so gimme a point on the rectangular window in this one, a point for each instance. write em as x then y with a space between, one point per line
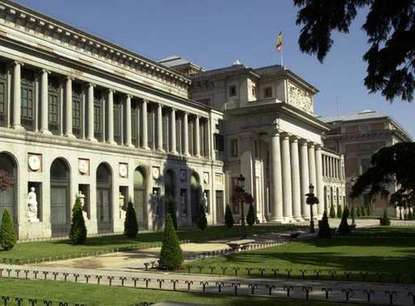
98 123
219 142
54 106
268 92
253 90
232 91
234 147
118 122
77 112
3 95
27 100
135 123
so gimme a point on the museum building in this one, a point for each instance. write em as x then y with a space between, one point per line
82 117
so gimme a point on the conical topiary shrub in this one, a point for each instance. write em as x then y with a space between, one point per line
250 217
171 209
385 221
201 220
353 214
324 230
171 255
332 211
77 233
339 211
344 227
7 232
229 221
130 223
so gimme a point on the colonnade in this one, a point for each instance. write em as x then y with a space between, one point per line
295 164
333 166
193 143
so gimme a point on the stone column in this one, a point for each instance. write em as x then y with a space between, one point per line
286 177
17 68
319 180
110 99
44 89
186 134
305 177
276 179
312 169
91 135
159 127
128 142
197 130
173 131
295 175
68 100
145 126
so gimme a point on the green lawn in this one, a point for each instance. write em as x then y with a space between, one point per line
121 296
47 250
376 250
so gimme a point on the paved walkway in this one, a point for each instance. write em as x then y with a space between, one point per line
211 284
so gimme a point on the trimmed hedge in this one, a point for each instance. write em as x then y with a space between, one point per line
7 232
78 231
171 254
130 223
229 221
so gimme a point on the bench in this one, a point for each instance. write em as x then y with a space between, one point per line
238 245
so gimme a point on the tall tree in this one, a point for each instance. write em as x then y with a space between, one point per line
390 27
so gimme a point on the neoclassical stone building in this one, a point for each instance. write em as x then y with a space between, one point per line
271 135
82 116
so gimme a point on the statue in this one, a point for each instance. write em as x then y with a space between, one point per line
83 205
205 201
32 206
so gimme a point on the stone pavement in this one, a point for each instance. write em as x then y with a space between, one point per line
380 293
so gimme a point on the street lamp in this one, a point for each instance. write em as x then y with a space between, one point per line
311 200
241 185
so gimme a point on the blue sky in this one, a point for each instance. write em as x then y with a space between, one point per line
214 33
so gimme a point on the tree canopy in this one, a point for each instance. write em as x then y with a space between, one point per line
392 164
390 27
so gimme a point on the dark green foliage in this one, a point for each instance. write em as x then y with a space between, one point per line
344 227
389 26
201 220
332 211
324 230
410 215
353 214
7 232
77 233
171 255
385 221
250 217
368 211
130 223
171 209
229 221
339 211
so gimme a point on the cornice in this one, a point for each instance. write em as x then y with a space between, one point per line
34 23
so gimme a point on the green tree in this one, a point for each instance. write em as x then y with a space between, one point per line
7 232
130 223
390 27
332 211
201 220
339 211
250 217
385 221
324 230
353 214
344 227
78 231
229 221
170 205
171 254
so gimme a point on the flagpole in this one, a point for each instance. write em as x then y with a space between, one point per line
282 57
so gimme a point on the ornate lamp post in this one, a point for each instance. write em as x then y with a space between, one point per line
241 185
311 200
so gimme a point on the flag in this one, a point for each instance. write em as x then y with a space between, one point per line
279 42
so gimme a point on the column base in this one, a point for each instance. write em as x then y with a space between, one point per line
112 142
129 145
146 148
93 139
46 132
18 127
71 136
277 220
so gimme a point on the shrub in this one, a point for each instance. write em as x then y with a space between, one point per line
410 215
171 255
339 211
130 223
170 205
229 221
385 221
77 233
324 230
332 211
344 227
363 211
250 217
201 220
353 214
7 232
368 211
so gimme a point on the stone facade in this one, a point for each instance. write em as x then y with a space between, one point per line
357 137
82 116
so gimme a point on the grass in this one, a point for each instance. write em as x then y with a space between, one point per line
386 250
121 296
28 252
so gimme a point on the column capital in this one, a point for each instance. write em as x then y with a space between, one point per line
285 135
311 144
44 70
294 138
110 91
129 96
90 84
70 77
16 62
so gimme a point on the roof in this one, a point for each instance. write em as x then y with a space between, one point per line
363 115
